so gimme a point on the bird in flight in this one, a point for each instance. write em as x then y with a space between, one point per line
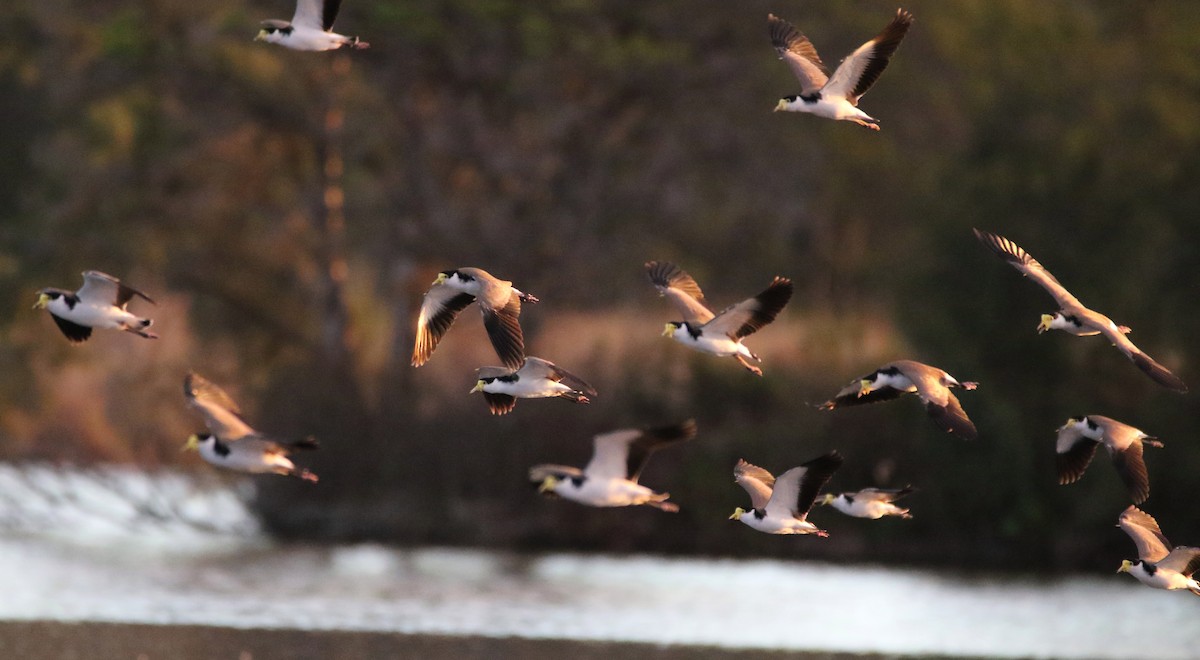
100 303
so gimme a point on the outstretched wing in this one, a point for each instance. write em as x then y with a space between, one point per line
316 14
1024 262
1143 529
757 482
747 317
221 415
797 489
679 287
438 311
654 439
1147 364
102 289
799 53
1074 452
855 75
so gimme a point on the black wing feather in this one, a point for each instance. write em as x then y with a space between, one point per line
816 473
1132 470
886 43
770 303
1073 462
500 404
951 418
504 330
654 439
75 333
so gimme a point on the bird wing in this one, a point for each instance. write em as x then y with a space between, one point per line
610 454
500 404
316 14
1147 364
1024 262
1132 469
796 490
493 372
504 328
1183 560
683 292
1152 546
1073 453
651 441
855 75
941 404
882 494
848 395
221 415
748 316
799 53
101 289
538 368
757 481
439 308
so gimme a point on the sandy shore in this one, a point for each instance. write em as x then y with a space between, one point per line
52 640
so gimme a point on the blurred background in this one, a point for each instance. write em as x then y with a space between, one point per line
288 210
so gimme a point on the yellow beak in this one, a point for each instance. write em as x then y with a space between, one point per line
42 301
548 485
193 442
478 387
737 513
864 387
1045 324
261 36
668 330
827 499
780 106
440 278
1125 566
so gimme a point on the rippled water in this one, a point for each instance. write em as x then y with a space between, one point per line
765 604
105 561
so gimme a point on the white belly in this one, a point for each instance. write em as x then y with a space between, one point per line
248 462
528 388
94 316
605 492
772 525
721 345
303 38
873 509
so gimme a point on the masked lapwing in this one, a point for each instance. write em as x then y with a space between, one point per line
873 503
610 479
100 303
1158 564
931 384
718 334
781 506
311 28
499 301
1072 316
536 379
1078 439
232 443
835 97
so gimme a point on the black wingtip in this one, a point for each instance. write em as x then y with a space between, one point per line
1158 373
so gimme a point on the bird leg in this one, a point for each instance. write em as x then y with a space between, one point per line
753 369
304 474
860 122
969 384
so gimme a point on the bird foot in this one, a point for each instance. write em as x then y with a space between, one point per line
1124 329
582 399
828 405
529 299
359 44
306 475
969 385
822 533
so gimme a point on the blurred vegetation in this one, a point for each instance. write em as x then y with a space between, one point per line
561 145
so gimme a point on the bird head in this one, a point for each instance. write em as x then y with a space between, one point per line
1047 322
44 299
548 484
864 386
480 384
670 328
1125 566
262 35
737 513
1072 421
193 441
442 277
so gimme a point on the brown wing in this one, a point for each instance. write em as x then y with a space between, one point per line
1143 529
848 395
539 368
1154 370
504 330
438 311
500 404
1132 470
756 481
799 53
1024 262
679 287
654 439
1073 453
